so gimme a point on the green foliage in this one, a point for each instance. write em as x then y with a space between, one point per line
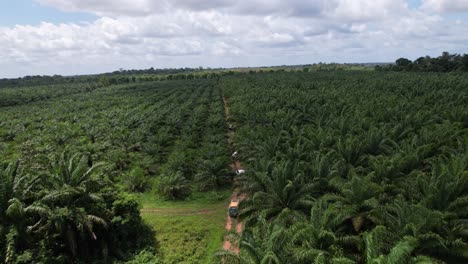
281 194
342 167
126 222
104 81
69 216
136 180
188 232
174 186
445 63
81 145
145 257
351 167
21 96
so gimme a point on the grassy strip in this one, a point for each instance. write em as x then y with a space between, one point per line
198 200
190 238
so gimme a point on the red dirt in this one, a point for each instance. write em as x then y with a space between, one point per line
229 224
239 227
227 245
233 196
236 165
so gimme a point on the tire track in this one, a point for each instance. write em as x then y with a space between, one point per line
229 245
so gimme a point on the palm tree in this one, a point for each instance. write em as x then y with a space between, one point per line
213 173
447 185
174 186
278 191
8 188
323 168
401 252
73 171
321 238
438 234
136 180
352 153
263 244
377 142
358 196
70 207
10 208
14 189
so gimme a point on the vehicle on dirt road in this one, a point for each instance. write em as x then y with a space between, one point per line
239 172
234 208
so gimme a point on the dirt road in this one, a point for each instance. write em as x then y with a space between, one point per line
229 245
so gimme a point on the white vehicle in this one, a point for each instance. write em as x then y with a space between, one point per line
239 172
234 154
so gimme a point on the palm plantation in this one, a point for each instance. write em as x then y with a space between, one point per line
364 174
341 167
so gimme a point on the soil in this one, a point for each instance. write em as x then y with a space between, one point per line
236 165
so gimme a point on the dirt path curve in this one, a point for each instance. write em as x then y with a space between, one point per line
229 245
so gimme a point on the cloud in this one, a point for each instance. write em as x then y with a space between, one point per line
200 5
346 9
366 10
149 7
445 6
109 7
190 33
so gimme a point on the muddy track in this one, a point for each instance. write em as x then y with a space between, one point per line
228 244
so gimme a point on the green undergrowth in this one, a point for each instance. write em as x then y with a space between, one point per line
191 233
196 200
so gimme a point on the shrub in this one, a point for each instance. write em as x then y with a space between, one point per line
174 186
136 180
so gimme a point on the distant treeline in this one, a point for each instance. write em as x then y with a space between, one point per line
123 76
157 71
44 80
120 76
445 63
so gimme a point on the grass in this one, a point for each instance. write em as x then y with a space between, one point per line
196 200
188 231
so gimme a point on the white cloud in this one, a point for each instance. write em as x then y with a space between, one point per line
445 6
180 33
349 9
149 7
109 7
365 10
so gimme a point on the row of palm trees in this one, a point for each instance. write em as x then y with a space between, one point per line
198 160
352 167
154 128
13 96
64 214
167 138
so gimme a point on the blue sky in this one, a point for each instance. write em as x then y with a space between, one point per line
21 12
90 36
414 3
31 12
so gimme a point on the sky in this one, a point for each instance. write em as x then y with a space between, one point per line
68 37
